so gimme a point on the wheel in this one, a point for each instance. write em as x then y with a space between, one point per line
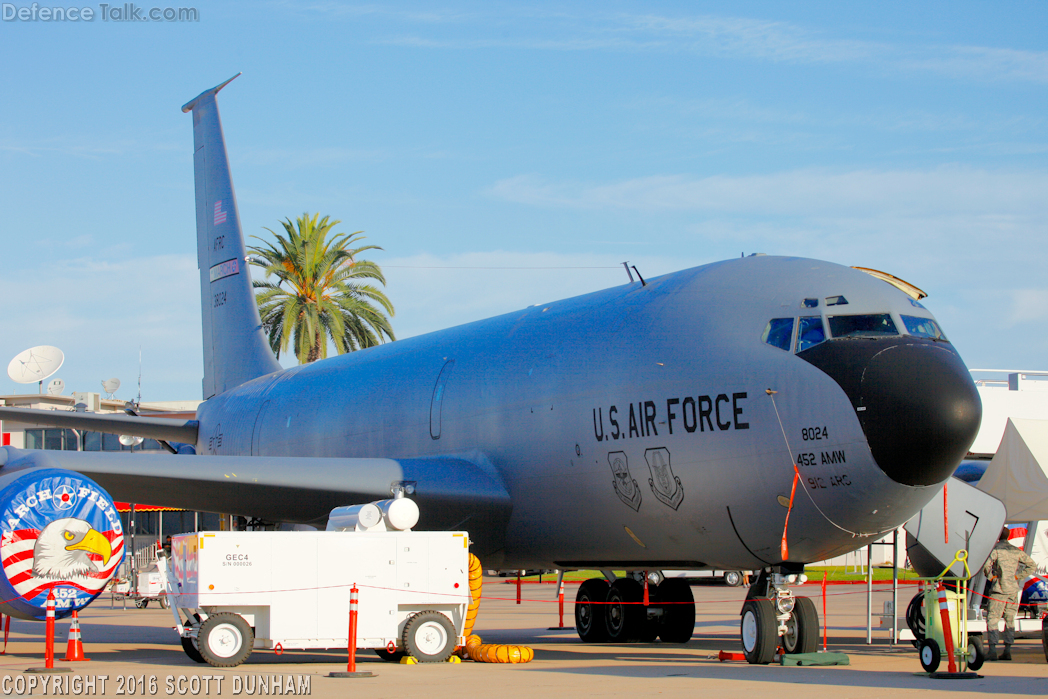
141 603
590 610
429 637
626 616
930 655
163 602
758 629
915 618
189 645
802 629
390 656
976 654
225 639
733 578
1044 637
678 611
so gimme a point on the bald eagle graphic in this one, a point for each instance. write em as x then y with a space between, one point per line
62 548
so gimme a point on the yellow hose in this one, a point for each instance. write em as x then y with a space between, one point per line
475 649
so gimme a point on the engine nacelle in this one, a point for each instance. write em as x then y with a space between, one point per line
60 532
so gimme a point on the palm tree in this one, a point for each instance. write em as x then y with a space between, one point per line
321 290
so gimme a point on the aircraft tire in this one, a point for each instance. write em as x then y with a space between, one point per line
802 630
225 639
625 615
930 655
678 611
1044 637
429 637
758 629
590 610
733 578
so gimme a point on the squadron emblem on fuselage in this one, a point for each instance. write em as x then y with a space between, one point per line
625 485
664 484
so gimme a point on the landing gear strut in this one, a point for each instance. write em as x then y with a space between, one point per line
772 617
615 613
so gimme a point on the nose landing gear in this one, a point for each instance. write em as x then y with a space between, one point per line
772 617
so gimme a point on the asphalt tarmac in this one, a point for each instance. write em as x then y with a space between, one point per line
138 653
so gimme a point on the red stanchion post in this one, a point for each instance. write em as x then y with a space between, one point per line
825 625
944 612
518 587
351 667
647 600
49 635
7 631
560 602
353 592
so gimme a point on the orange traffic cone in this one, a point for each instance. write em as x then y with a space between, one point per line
75 647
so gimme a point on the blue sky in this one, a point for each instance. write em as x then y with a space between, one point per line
559 137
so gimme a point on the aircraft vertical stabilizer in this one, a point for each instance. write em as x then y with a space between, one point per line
235 347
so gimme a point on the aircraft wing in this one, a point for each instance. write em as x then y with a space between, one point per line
452 492
184 431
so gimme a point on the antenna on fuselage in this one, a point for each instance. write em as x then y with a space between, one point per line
642 282
626 264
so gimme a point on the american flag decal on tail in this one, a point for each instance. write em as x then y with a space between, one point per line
220 215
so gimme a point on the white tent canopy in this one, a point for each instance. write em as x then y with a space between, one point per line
1018 473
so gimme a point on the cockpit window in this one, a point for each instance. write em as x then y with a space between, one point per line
810 332
923 327
836 301
873 325
810 303
778 333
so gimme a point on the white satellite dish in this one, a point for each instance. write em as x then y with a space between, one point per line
129 441
35 364
56 387
111 386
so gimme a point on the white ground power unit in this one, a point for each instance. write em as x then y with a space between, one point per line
232 592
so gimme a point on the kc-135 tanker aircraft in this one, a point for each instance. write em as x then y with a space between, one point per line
757 413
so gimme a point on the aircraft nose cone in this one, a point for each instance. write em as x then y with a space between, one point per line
914 398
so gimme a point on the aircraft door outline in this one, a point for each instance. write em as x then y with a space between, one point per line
437 402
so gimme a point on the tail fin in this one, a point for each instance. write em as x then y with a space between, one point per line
235 347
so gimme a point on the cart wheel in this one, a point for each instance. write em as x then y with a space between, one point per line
976 654
141 603
733 578
189 645
390 656
429 637
929 651
163 602
225 639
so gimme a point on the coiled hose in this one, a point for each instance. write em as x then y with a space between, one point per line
475 649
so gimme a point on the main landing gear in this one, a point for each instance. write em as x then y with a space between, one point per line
773 617
614 612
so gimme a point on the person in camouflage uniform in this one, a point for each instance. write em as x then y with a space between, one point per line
1003 568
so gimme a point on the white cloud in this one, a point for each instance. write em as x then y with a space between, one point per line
801 192
433 292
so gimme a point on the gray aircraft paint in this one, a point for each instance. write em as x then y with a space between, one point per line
507 426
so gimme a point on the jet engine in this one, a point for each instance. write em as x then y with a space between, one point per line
59 533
